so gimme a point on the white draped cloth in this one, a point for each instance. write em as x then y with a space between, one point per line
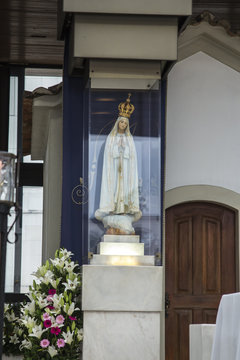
226 344
119 198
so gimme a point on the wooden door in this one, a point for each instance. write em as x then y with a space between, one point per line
200 267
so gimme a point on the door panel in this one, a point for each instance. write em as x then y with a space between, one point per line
200 267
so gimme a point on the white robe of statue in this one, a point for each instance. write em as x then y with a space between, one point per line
119 198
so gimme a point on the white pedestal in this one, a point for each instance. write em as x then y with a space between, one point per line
201 341
122 312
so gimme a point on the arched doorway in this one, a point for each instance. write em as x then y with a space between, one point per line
200 267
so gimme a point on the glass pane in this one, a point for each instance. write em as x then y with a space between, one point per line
13 115
124 169
31 234
33 82
10 257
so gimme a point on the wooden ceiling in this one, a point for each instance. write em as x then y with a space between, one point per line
28 29
28 33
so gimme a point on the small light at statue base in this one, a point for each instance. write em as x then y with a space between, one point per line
121 253
122 260
114 248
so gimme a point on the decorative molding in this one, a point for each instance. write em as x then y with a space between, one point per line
208 193
212 37
214 21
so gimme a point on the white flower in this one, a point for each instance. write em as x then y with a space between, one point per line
28 321
79 334
37 331
30 307
58 262
70 266
6 307
18 330
66 254
11 317
30 295
68 337
54 283
47 278
25 344
57 301
71 309
42 303
71 285
41 271
52 351
14 339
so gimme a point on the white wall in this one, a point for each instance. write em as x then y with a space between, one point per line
203 124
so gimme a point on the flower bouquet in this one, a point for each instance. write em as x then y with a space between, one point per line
13 333
52 320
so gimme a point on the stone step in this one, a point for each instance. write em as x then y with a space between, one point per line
123 260
112 248
121 238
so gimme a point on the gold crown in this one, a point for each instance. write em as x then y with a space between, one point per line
126 108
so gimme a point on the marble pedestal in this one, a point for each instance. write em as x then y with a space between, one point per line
122 312
122 304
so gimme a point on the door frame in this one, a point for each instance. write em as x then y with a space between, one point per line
210 194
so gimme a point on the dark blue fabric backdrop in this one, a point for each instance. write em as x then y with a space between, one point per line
73 92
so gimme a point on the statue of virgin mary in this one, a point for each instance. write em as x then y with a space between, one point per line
119 198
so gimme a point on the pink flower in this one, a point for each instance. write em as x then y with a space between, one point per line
55 330
73 318
44 343
60 319
47 323
49 298
60 343
51 291
50 307
46 316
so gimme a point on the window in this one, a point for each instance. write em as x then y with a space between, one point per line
30 198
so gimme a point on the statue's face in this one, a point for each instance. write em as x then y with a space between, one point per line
122 125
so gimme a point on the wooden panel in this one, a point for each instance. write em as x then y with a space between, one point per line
184 319
183 264
178 340
200 267
211 256
228 253
209 316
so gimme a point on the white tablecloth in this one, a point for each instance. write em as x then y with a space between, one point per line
226 343
201 341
